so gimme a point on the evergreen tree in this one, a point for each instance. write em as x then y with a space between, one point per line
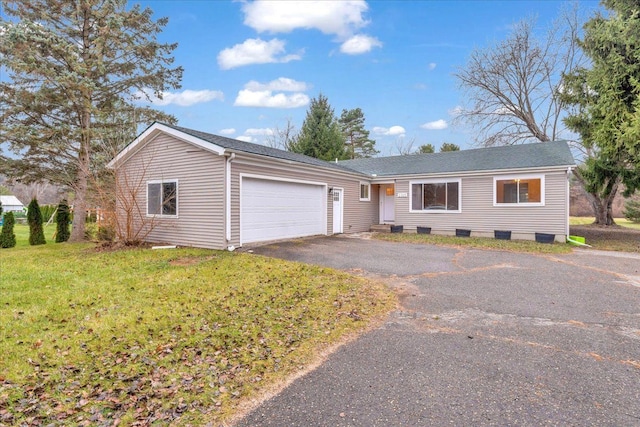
448 146
632 210
320 136
357 142
63 218
606 99
68 64
34 218
7 237
426 149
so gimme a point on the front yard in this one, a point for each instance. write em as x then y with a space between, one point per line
181 336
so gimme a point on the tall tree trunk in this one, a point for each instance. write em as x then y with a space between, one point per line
81 185
602 206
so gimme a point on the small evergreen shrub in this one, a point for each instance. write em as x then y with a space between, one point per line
7 236
34 218
632 210
63 219
91 231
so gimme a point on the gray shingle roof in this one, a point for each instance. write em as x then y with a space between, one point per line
263 150
481 159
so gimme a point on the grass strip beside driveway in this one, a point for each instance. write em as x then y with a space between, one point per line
162 336
476 242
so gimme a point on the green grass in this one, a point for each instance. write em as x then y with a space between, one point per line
476 242
586 220
161 336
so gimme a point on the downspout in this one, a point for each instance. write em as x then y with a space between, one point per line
227 203
568 198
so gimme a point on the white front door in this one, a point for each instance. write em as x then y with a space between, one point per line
387 203
337 210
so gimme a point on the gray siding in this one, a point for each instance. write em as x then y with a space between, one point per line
479 215
200 176
357 215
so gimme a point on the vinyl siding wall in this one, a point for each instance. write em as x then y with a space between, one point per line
357 215
480 215
200 175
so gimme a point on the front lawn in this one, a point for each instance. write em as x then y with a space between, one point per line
143 336
476 242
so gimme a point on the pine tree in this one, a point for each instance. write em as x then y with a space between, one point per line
426 149
68 64
632 210
34 218
320 136
63 218
606 101
7 237
357 142
449 146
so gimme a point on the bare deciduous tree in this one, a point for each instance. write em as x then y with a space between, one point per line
513 87
282 138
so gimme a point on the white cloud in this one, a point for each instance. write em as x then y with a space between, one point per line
228 131
341 18
183 99
256 94
256 132
392 131
254 51
420 86
358 44
266 98
245 138
432 66
435 125
280 84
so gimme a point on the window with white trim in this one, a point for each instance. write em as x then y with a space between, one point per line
365 191
435 196
518 190
162 198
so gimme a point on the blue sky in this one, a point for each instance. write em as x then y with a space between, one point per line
250 66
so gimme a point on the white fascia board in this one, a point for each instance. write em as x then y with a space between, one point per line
153 131
540 169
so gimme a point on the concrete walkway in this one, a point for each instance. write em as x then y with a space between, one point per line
482 338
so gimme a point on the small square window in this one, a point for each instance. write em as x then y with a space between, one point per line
162 198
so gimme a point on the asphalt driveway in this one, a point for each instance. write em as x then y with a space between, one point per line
481 338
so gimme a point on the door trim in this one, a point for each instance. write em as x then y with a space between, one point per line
338 190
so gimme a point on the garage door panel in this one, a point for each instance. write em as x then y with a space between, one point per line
274 210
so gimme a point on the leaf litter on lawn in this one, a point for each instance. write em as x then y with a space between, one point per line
142 337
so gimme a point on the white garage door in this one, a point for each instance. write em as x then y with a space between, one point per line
272 210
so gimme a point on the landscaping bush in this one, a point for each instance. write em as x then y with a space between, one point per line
106 233
34 218
91 231
632 210
7 236
63 219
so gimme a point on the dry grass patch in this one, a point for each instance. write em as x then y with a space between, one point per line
169 337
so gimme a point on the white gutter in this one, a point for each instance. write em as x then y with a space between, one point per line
227 203
568 198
